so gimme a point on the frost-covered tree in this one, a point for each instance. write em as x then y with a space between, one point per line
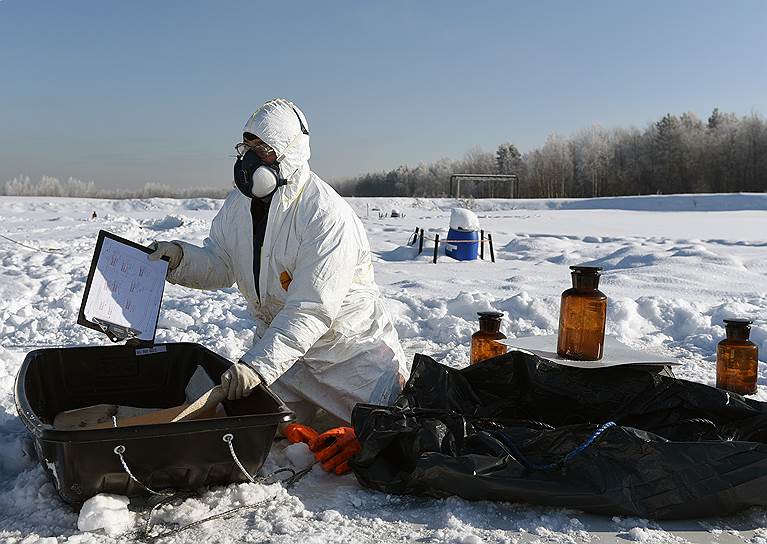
51 186
507 159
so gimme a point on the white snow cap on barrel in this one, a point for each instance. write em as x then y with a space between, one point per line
463 219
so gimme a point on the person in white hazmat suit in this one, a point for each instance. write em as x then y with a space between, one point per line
299 254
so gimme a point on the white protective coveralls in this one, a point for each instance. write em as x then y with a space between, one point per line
319 307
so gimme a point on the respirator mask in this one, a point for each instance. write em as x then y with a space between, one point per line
255 179
252 177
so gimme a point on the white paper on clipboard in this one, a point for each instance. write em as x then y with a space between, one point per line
126 289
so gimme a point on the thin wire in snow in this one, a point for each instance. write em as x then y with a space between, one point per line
148 525
54 251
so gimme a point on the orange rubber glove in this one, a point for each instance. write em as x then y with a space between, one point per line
334 448
295 432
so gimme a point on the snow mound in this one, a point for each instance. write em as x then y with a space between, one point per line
108 512
201 204
401 253
463 219
175 319
166 223
299 455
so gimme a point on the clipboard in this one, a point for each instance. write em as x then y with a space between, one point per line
123 291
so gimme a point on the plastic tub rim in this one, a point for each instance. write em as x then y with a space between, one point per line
47 432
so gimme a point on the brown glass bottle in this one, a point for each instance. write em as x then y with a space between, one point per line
484 343
582 316
737 359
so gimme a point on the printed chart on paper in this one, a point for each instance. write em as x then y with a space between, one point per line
127 288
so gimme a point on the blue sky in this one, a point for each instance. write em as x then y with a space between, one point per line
124 93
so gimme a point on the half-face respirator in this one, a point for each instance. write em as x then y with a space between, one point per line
255 179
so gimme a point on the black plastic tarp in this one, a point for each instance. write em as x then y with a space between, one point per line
618 441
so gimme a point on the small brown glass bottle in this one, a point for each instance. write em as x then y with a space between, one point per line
582 316
737 359
484 343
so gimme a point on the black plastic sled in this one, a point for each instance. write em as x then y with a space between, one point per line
181 455
626 441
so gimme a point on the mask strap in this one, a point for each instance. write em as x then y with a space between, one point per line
304 130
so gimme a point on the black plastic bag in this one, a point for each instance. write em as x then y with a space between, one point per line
617 441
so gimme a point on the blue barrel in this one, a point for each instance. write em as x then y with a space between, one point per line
462 251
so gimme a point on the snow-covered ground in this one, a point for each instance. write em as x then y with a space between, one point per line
674 267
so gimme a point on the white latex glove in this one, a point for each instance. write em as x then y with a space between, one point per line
167 249
239 381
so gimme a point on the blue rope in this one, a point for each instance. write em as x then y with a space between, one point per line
506 439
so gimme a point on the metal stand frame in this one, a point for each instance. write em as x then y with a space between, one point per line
455 182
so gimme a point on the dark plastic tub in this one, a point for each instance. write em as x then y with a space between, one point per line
183 455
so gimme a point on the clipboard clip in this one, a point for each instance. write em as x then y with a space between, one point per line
115 332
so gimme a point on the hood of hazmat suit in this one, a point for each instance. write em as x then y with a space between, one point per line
323 334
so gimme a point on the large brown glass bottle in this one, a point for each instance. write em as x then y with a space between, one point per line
737 358
484 343
582 316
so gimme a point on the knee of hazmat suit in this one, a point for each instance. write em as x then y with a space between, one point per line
323 334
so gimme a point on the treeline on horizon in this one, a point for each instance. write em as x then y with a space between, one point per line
51 186
677 154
